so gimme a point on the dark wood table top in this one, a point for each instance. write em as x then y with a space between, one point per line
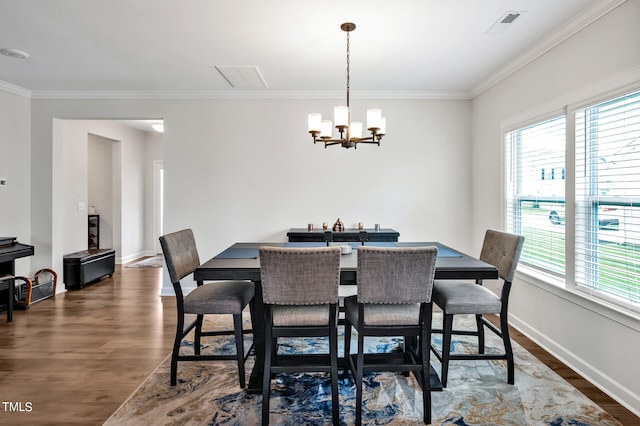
240 262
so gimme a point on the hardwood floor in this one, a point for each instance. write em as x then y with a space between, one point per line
76 357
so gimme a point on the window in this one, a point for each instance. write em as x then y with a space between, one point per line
602 187
536 192
608 198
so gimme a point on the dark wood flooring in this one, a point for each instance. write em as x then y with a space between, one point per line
75 358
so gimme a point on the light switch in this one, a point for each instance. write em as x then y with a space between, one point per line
3 181
82 206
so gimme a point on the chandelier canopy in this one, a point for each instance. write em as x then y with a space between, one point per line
350 132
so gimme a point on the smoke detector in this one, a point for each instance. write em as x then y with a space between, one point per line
14 53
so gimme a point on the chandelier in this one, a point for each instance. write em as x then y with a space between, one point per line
350 132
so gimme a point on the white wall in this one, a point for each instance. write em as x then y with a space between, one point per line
154 152
15 157
100 184
246 170
599 343
133 167
73 170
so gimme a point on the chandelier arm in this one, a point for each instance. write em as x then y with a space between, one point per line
325 140
332 142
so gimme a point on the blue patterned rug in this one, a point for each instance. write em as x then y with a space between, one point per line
477 394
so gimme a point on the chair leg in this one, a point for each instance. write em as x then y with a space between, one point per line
480 327
406 342
237 328
359 375
176 349
426 380
425 359
333 349
508 349
266 378
446 347
347 347
197 338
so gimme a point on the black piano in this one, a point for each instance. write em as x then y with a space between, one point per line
10 250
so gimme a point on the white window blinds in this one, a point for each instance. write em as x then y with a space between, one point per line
607 246
535 192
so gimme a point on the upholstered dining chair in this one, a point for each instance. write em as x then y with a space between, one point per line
223 297
394 299
300 294
502 250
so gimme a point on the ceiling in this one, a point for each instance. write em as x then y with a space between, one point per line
419 48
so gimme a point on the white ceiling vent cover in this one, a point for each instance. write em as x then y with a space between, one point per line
504 22
243 77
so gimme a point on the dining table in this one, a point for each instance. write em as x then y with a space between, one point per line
240 261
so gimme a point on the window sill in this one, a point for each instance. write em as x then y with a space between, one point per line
558 287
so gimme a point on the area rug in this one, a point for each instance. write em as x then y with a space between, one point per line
208 393
150 262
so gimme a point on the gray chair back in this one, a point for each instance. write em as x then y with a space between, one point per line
180 254
300 276
502 250
381 270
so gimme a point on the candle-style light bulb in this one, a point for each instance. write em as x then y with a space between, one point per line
341 116
356 129
313 120
326 129
374 118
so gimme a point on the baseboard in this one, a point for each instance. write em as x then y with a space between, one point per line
135 256
621 394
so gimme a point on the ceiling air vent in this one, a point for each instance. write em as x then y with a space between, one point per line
243 77
504 22
509 18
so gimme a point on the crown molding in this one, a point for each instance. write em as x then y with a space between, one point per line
13 89
247 94
591 14
231 94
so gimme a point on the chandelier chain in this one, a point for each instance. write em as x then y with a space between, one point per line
348 67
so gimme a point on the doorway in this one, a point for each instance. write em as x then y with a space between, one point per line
129 216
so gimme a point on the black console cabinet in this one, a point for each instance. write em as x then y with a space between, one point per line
352 234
